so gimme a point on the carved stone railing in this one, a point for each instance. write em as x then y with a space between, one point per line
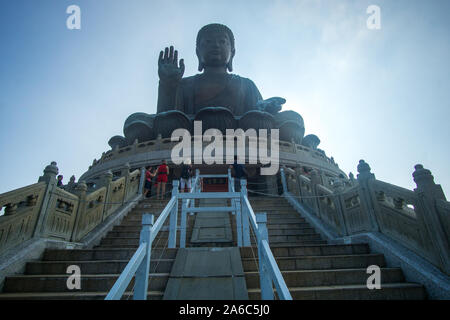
91 212
60 215
153 151
356 220
419 220
43 210
399 215
21 211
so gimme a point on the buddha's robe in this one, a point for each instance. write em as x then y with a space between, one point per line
238 94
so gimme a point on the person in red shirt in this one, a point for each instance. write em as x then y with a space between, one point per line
148 181
162 173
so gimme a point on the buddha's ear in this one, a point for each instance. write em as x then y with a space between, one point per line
200 64
230 63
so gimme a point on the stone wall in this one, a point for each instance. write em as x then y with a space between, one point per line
43 210
419 220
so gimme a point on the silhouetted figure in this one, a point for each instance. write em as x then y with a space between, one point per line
59 183
239 173
185 176
148 181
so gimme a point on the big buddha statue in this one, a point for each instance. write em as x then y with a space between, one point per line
215 96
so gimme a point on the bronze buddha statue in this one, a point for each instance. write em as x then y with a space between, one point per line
215 86
214 96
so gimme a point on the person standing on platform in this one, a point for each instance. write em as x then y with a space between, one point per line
162 173
148 181
239 173
59 183
186 174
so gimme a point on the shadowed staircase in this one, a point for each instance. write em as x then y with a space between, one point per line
311 268
100 266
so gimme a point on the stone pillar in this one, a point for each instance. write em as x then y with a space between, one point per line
298 172
428 192
352 178
80 192
49 178
105 181
71 185
141 181
364 176
159 141
125 172
283 180
135 144
315 180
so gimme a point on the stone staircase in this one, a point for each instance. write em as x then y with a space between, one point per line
100 266
314 269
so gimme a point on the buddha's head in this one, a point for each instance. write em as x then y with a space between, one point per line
215 47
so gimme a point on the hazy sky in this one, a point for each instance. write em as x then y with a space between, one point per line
379 95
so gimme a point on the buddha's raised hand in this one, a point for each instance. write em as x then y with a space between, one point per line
168 69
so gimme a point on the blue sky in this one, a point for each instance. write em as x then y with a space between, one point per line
379 95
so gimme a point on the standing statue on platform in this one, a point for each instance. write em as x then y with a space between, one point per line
219 99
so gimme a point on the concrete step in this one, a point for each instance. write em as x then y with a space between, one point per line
160 241
121 228
89 283
290 231
285 215
75 295
272 207
138 219
309 250
350 261
93 267
134 234
152 208
292 238
331 277
293 225
103 254
285 220
388 291
302 242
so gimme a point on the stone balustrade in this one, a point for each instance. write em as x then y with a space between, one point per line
153 151
43 210
419 220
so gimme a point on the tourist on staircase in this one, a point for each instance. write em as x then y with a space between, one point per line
162 173
239 173
185 176
148 181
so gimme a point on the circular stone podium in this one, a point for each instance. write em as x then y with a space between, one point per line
150 153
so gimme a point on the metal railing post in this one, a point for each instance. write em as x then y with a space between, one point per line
141 279
231 189
283 180
141 181
174 217
264 276
237 206
183 223
244 215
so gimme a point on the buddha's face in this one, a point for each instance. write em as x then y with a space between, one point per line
214 49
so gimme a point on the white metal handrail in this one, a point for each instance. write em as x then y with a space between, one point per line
269 271
139 264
